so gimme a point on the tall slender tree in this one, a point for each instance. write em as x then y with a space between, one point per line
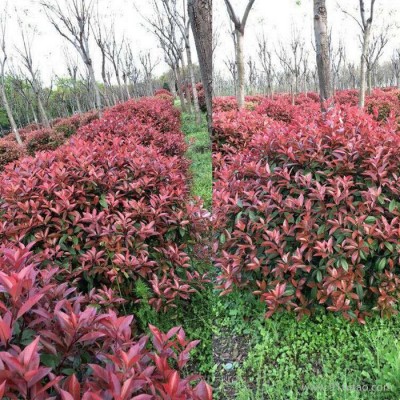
72 21
3 60
239 27
200 16
322 51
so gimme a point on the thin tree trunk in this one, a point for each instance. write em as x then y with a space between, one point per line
186 88
193 82
363 68
10 116
181 96
42 111
93 83
240 68
369 80
322 51
200 15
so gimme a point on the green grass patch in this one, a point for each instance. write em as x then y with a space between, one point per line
200 153
323 358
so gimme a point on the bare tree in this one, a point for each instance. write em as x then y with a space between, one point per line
200 16
165 30
322 51
183 23
33 79
239 27
72 21
101 35
365 25
292 61
374 53
128 68
252 74
3 60
395 62
265 58
113 52
338 59
72 68
232 68
148 64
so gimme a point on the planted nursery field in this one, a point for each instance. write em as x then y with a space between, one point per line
82 227
306 220
199 199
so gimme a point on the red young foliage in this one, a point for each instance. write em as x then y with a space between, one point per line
107 209
55 345
308 215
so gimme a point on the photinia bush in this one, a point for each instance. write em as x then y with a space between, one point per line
112 206
308 215
54 344
107 212
278 109
43 139
233 130
383 103
10 151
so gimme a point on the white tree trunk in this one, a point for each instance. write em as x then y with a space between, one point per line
193 82
10 115
363 68
93 83
42 111
322 50
240 68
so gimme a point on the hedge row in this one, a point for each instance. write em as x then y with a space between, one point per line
80 226
307 213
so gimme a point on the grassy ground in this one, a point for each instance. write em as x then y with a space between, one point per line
247 357
321 358
200 154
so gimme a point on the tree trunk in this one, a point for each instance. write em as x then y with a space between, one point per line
193 83
93 83
369 82
200 15
10 115
185 87
322 50
363 68
42 111
240 68
178 81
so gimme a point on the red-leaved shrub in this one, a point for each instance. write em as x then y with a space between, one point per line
107 212
308 215
55 344
10 151
233 130
43 139
278 108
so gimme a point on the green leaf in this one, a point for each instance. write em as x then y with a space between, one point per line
389 246
321 229
392 205
50 360
103 201
222 238
370 220
360 291
238 216
382 264
344 264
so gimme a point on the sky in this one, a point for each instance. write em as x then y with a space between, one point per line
273 17
276 17
48 46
